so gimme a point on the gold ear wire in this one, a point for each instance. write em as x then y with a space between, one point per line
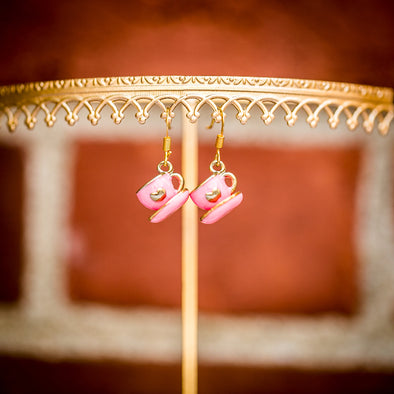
167 138
210 126
220 137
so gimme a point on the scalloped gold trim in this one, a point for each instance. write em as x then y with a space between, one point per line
368 103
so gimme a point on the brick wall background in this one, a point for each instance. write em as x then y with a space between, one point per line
295 285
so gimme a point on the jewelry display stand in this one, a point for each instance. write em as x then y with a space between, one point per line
297 100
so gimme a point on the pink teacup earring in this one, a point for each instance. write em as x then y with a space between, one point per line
159 193
217 193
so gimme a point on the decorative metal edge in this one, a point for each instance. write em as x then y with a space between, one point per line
368 112
13 93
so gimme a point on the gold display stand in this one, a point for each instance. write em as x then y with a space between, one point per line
358 105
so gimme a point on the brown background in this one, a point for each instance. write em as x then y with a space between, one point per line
336 40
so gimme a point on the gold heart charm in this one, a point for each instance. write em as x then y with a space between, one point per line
213 196
158 195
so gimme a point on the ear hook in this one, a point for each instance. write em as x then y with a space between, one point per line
167 138
219 138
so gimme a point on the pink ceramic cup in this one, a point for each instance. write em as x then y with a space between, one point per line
213 190
159 190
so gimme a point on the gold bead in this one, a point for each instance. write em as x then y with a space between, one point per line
166 144
219 141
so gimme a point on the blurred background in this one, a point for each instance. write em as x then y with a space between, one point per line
295 285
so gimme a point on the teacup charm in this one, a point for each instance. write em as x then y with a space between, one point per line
161 195
215 195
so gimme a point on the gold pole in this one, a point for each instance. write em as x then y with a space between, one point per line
189 260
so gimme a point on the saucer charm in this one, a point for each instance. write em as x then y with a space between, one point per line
215 196
160 195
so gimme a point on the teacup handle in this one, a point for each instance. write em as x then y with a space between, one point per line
181 181
234 179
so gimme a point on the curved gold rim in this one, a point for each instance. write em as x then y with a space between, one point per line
369 106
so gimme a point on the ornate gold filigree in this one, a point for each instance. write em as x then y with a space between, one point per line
367 105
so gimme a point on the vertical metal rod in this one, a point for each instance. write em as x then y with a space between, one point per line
189 260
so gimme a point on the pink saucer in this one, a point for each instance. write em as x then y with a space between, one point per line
170 206
222 209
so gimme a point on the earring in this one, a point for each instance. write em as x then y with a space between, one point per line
160 193
215 195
